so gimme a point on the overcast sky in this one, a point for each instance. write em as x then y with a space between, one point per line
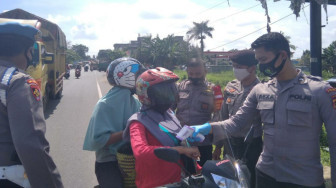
99 24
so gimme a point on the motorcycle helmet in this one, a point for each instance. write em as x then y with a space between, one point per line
157 87
123 72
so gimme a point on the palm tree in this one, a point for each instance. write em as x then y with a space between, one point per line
200 31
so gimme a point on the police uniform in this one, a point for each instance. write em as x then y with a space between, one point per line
22 132
292 114
195 107
234 96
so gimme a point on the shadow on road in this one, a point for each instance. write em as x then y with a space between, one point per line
51 106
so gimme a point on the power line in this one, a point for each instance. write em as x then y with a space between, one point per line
235 13
228 15
212 7
253 31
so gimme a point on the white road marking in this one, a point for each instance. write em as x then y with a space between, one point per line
98 88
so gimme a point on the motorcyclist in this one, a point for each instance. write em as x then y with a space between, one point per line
156 126
108 120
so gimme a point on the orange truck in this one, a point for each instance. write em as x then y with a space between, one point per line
49 68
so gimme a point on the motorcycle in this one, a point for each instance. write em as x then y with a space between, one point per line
77 73
86 68
67 74
226 173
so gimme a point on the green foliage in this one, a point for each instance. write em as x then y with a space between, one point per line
325 157
71 56
108 55
167 52
329 58
323 138
221 78
305 58
81 50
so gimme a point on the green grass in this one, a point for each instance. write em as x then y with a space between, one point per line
221 78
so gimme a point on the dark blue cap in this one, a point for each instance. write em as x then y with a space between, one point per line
19 29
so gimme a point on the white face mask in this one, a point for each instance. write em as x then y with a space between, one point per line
240 74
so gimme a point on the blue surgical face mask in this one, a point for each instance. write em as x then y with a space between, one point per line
269 69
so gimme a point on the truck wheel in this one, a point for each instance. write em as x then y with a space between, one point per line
59 94
45 99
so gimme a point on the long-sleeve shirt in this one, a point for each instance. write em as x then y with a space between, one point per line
150 170
22 130
109 116
292 115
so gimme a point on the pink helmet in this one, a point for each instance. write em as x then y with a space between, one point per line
152 77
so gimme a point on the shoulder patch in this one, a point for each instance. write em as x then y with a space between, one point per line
35 89
331 89
333 101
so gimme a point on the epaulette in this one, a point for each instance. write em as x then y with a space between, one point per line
315 78
5 81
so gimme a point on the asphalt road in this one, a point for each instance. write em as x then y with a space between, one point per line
67 121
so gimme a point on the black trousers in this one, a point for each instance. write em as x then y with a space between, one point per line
206 154
8 184
108 175
265 181
252 154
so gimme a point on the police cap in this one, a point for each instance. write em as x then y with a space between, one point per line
19 29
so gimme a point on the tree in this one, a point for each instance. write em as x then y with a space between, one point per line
199 32
329 58
305 59
71 56
108 55
167 52
81 50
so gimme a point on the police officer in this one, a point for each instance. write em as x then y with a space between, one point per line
235 93
196 103
293 107
24 150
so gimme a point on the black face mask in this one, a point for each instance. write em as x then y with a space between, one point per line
196 81
29 61
269 69
163 96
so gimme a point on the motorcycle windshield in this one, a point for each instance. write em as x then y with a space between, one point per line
226 173
223 182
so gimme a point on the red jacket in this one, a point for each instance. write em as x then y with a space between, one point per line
150 170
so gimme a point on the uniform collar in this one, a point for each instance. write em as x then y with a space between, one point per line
299 79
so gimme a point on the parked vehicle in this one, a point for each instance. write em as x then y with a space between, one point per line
102 66
49 53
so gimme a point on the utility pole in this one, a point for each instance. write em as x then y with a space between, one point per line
316 37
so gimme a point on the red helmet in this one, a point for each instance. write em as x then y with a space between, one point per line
152 77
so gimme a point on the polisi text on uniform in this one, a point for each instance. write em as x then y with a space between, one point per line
300 97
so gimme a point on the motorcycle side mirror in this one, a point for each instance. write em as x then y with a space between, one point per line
167 154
